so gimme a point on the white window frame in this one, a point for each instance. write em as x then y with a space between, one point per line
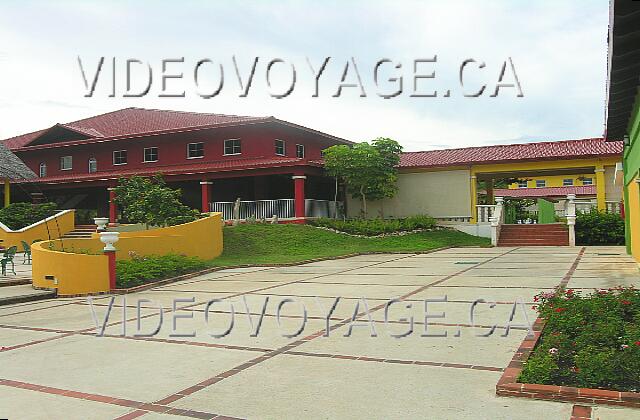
195 157
224 147
126 157
301 146
519 183
590 181
89 165
62 158
543 181
41 173
284 147
570 184
144 154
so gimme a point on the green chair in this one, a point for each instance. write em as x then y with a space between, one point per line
26 248
8 258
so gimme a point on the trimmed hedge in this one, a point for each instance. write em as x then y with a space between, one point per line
599 228
141 270
373 227
18 215
588 341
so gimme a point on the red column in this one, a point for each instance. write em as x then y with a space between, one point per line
298 181
113 212
205 186
112 268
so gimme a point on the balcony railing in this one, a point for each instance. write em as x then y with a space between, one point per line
282 208
485 212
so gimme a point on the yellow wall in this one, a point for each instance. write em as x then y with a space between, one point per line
73 274
633 209
53 228
556 180
82 269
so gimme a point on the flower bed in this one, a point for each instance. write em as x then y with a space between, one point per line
590 341
148 269
376 227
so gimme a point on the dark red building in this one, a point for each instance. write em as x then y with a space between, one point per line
273 166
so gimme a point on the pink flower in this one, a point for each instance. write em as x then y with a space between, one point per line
626 302
624 346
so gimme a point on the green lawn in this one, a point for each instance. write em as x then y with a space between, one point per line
269 244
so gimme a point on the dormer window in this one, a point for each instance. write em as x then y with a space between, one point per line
151 154
195 150
66 163
232 147
93 165
300 151
43 170
279 147
120 157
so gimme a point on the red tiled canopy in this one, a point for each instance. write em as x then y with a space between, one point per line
545 191
551 150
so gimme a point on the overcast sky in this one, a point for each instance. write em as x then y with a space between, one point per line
558 49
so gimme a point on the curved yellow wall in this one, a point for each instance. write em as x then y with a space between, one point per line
201 238
82 269
51 228
633 209
70 273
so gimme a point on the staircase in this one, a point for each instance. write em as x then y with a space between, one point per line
80 232
552 234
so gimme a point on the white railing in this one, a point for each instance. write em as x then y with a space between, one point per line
485 212
281 208
497 219
614 207
570 212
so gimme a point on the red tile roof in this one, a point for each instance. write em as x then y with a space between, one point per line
132 121
551 150
182 169
545 191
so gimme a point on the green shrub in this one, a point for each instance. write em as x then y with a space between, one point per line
141 270
85 216
588 341
599 228
372 227
18 215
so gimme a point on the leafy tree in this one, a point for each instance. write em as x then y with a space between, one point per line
18 215
151 202
369 171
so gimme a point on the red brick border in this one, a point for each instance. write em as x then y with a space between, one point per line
508 386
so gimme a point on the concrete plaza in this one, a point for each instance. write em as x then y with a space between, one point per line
52 365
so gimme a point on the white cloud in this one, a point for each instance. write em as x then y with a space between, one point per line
558 47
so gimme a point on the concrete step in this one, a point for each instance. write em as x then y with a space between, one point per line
23 293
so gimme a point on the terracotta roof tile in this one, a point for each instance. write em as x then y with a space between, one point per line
513 152
545 191
135 121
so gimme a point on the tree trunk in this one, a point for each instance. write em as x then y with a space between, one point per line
364 202
335 201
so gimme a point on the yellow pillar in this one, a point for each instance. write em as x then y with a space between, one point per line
7 193
474 198
600 187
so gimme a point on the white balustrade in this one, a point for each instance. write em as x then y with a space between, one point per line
570 211
485 212
496 220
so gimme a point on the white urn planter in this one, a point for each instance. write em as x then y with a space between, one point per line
108 239
101 222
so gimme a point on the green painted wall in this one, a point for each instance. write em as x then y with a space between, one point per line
631 162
